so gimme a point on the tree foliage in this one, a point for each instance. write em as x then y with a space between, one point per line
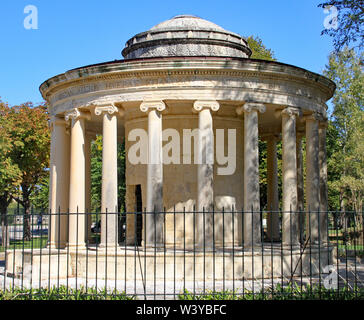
259 50
24 153
349 23
10 174
346 131
96 174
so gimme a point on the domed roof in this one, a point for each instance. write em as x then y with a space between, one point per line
186 35
187 21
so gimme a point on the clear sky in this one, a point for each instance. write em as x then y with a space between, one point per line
74 33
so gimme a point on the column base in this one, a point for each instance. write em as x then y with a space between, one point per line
56 245
293 246
76 247
151 246
255 246
108 246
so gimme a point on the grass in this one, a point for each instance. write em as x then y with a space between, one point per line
35 243
62 293
292 292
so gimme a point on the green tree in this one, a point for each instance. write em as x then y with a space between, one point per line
259 50
30 139
9 171
96 174
346 131
350 20
40 196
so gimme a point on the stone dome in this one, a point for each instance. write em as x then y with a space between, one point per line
186 36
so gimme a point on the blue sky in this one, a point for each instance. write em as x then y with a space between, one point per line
75 33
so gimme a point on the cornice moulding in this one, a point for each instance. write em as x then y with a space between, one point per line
240 69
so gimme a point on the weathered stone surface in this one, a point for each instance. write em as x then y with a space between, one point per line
186 36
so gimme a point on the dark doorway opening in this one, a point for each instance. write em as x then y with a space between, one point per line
139 216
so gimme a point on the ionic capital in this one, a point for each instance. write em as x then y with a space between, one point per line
249 107
148 105
57 121
323 122
291 112
314 116
206 104
110 109
76 114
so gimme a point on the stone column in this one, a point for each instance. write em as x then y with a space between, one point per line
205 172
59 182
77 217
252 223
154 217
290 218
312 177
272 189
109 190
323 181
88 139
300 186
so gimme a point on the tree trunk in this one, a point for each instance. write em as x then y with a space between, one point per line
342 211
27 235
5 240
27 223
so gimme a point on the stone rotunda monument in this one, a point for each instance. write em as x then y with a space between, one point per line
185 74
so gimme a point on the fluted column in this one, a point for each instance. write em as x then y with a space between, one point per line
252 223
59 182
300 186
88 140
109 189
323 181
205 172
154 217
312 177
77 217
272 189
290 218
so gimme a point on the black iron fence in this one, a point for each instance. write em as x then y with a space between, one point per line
184 254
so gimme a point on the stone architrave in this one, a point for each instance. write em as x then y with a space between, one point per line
205 172
59 182
290 217
109 190
77 196
154 217
312 177
252 223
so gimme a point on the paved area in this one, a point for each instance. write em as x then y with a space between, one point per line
351 273
16 232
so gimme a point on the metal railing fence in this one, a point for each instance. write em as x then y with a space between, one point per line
186 254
